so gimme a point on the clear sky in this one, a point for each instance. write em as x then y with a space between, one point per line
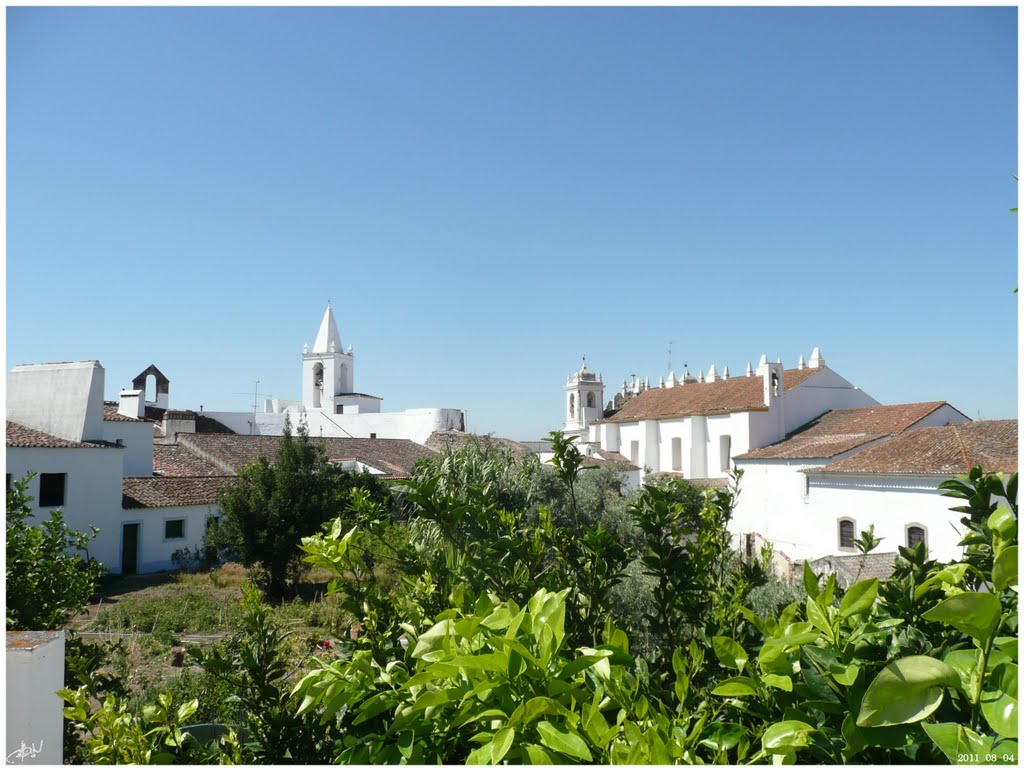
485 195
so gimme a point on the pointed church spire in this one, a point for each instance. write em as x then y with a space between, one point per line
328 338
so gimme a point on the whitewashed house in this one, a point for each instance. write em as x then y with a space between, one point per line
85 454
331 406
893 485
779 495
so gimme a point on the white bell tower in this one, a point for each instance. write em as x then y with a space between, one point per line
327 370
584 400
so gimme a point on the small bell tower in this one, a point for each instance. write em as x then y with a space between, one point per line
584 400
327 370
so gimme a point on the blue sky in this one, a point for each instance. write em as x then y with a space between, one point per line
485 195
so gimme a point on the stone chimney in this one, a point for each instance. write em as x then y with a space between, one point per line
816 358
712 374
178 422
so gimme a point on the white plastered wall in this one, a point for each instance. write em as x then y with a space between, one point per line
891 503
92 492
35 713
155 551
64 400
825 390
416 425
138 445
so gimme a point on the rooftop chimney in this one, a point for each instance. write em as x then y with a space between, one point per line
132 403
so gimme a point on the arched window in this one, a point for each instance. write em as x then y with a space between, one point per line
846 533
572 405
590 398
775 384
915 535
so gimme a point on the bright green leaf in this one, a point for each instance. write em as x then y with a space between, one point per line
956 741
859 598
736 686
564 740
501 743
782 682
810 581
730 653
974 613
817 616
906 691
999 700
787 736
1004 570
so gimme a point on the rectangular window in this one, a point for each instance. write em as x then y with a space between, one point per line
8 481
51 489
724 452
634 452
677 454
174 528
339 409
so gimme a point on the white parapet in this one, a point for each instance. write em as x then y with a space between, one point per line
35 713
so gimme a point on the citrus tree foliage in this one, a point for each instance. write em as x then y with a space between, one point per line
50 577
276 503
489 635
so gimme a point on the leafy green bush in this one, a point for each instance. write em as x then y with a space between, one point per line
48 578
273 505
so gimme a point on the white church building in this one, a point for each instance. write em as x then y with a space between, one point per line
796 434
331 406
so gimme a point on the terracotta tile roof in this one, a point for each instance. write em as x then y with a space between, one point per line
946 450
23 436
847 568
395 457
110 413
605 458
161 492
737 394
838 431
172 460
204 424
441 441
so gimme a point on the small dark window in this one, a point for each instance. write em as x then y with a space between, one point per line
174 528
915 535
846 534
590 398
373 436
8 481
339 409
51 489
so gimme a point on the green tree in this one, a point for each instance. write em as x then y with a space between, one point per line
273 505
48 580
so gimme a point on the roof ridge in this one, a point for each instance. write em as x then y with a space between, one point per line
963 447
